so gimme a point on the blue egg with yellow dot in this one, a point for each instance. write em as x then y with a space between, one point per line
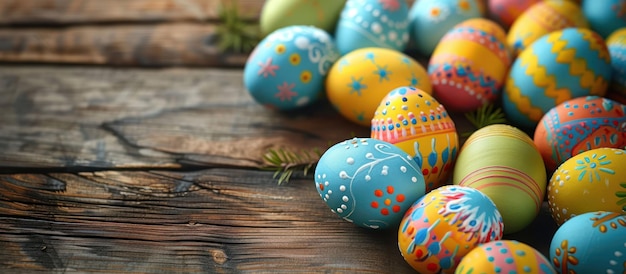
287 69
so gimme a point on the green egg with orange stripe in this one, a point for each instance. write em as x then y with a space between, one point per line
502 162
559 66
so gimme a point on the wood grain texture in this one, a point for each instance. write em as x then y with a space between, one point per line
73 117
75 12
212 221
152 45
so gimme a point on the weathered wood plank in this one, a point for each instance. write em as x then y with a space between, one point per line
167 44
218 220
51 12
73 117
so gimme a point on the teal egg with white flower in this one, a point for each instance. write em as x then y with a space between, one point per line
368 182
287 69
373 23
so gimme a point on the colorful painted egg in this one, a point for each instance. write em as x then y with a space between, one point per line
431 19
360 79
590 181
558 67
503 163
506 11
578 125
504 256
373 23
605 16
594 242
287 69
277 14
368 182
616 44
415 122
542 18
444 225
469 65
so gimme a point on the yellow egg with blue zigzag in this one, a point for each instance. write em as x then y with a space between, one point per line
359 80
559 66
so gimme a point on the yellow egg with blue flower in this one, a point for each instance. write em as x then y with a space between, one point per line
360 79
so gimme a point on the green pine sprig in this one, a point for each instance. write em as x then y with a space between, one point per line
235 34
487 114
285 162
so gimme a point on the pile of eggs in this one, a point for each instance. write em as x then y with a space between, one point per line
557 69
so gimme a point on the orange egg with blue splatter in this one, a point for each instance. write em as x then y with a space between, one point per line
446 224
417 123
287 69
506 11
560 66
578 125
469 65
360 79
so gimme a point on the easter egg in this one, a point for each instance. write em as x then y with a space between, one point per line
360 79
277 14
562 65
469 65
593 242
368 182
373 23
446 224
616 44
502 162
431 19
594 180
504 256
415 122
542 18
605 16
287 69
506 11
578 125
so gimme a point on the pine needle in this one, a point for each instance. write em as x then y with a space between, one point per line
285 163
235 33
487 114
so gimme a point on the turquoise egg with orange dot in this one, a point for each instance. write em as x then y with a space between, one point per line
287 69
504 256
368 182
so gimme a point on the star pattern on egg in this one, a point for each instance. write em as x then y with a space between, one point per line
285 91
267 68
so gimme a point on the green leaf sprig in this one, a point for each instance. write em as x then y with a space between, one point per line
285 162
235 34
487 114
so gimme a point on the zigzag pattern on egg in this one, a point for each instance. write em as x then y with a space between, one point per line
578 66
522 102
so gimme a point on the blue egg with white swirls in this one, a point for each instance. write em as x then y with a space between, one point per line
373 23
369 182
287 69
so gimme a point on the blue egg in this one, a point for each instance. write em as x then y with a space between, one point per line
594 242
373 23
605 16
431 19
369 182
557 67
287 69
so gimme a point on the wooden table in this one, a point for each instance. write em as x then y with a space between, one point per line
157 170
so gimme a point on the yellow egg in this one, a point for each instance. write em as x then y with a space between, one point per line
542 18
594 180
469 65
414 121
360 79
